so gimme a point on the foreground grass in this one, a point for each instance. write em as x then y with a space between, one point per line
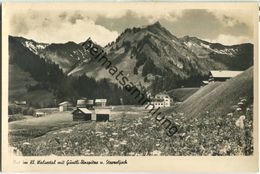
142 135
27 129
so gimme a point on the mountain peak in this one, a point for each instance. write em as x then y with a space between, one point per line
193 39
156 24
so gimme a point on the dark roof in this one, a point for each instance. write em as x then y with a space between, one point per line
157 100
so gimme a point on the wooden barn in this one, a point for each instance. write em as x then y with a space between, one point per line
20 102
101 115
39 114
81 103
204 82
100 102
65 106
82 114
90 104
222 75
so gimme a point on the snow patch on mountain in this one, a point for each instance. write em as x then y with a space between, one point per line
34 47
227 51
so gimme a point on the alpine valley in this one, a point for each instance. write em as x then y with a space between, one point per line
152 57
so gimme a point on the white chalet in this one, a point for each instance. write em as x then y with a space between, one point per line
161 100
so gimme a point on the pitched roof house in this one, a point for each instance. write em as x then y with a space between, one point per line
81 103
82 114
100 102
64 106
222 75
101 114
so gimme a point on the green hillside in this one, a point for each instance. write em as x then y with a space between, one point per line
181 94
219 97
19 81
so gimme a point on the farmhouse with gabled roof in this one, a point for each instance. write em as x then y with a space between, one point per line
222 75
81 114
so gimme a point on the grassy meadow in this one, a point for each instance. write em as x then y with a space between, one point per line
217 120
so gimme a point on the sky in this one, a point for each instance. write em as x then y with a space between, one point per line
103 25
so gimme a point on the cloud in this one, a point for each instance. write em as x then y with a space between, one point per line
63 15
104 24
239 15
138 10
231 40
59 27
76 16
136 18
201 23
229 21
194 22
128 20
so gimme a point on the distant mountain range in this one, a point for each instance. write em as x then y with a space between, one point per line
150 56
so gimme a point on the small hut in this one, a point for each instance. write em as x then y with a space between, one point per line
65 106
81 103
81 114
102 114
20 102
39 114
90 104
101 102
204 82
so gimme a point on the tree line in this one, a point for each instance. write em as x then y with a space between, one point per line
51 78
